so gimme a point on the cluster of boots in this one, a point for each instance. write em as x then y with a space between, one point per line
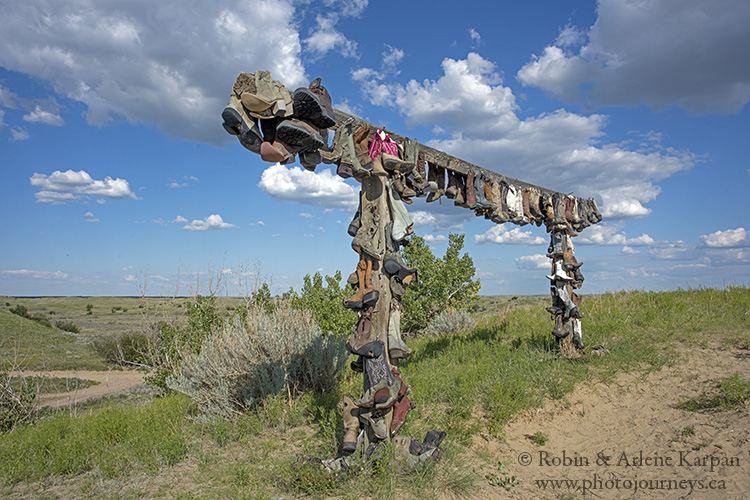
359 152
277 124
566 277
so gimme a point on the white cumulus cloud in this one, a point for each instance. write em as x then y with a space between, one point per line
167 64
533 262
61 187
731 238
607 234
40 115
501 235
213 221
311 188
660 53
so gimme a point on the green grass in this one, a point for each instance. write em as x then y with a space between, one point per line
37 347
114 441
730 393
462 383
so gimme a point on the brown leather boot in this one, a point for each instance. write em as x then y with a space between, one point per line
366 295
351 425
471 196
436 174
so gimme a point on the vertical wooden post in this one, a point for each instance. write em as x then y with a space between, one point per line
374 192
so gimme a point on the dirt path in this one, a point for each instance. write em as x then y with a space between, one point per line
109 381
628 439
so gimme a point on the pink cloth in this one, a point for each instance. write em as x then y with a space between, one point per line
379 145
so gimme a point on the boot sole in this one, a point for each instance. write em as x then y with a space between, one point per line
307 106
298 136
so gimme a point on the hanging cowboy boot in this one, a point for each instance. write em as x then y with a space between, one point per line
367 239
402 222
361 139
392 262
359 341
301 134
333 154
577 334
351 425
349 163
471 197
436 174
397 348
460 199
405 192
452 190
356 222
366 296
559 330
400 409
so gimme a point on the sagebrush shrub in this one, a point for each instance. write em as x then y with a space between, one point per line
67 326
271 352
450 321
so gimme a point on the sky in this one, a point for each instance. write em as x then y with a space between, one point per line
117 178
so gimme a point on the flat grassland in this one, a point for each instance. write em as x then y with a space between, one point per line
658 406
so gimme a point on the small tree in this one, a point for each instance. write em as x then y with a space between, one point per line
443 283
325 303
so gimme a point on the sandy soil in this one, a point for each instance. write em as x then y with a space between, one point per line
628 439
109 381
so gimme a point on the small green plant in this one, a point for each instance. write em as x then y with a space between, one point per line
89 309
501 478
688 431
324 302
733 392
539 438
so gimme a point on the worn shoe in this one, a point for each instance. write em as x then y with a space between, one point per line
397 348
314 104
359 342
278 152
300 134
368 240
403 225
577 334
400 409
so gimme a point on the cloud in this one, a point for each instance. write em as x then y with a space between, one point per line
629 250
306 215
431 238
325 38
501 235
476 38
533 262
213 221
168 65
659 53
19 134
40 115
311 188
129 278
90 217
61 187
439 217
28 273
179 220
731 238
561 150
676 250
391 57
607 234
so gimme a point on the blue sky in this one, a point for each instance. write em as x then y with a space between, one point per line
117 177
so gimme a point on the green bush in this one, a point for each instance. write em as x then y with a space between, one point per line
127 348
325 303
67 326
443 283
171 343
273 352
20 310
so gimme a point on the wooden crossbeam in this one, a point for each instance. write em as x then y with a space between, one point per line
444 160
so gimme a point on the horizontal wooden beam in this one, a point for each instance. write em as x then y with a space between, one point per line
444 160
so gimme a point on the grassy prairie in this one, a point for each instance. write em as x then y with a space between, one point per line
468 383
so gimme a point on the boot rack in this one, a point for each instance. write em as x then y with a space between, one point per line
563 216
